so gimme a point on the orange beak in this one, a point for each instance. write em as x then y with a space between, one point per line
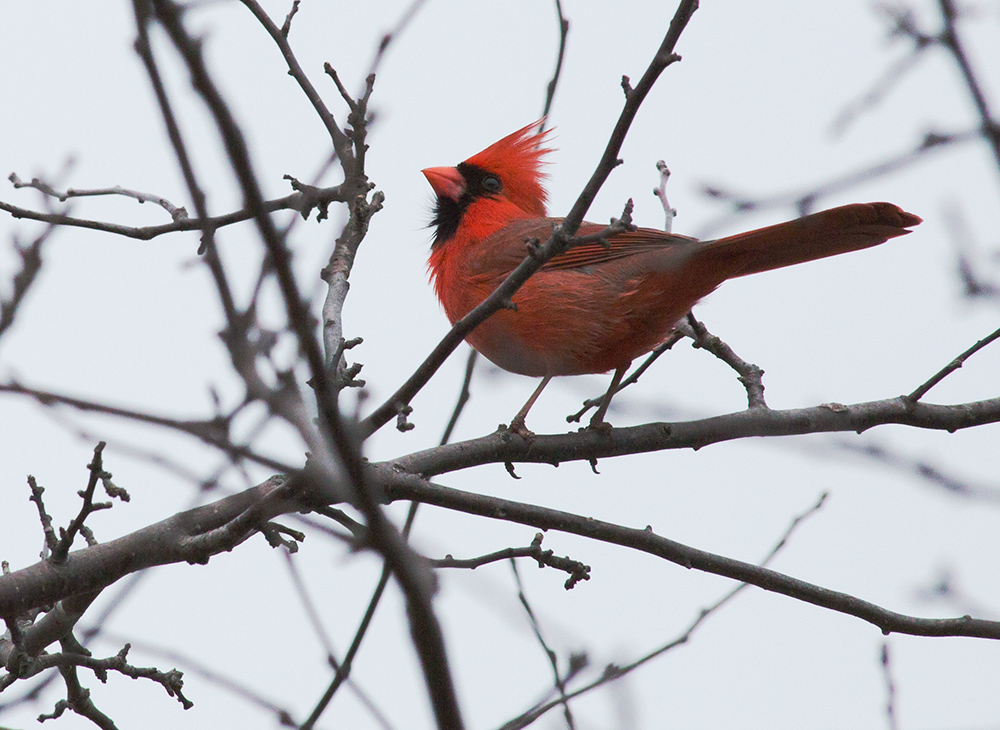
447 182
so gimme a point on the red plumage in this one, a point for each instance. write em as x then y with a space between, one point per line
597 307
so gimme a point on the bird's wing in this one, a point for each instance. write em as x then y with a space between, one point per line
617 246
580 255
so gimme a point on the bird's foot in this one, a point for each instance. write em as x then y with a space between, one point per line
599 425
517 426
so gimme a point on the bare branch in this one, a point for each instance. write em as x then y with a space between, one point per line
171 681
31 264
550 90
176 213
890 688
990 126
282 715
615 672
303 201
559 682
952 367
498 448
632 378
340 141
409 487
193 536
213 431
97 474
545 558
750 375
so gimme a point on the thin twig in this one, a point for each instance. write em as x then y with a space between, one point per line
889 78
286 27
410 487
614 672
890 688
97 473
544 558
317 625
919 468
660 191
191 666
301 202
31 265
208 431
963 240
390 36
340 141
632 378
51 541
550 90
558 680
749 374
176 212
343 671
463 397
170 681
951 367
990 126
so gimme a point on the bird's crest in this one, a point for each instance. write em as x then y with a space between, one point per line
516 160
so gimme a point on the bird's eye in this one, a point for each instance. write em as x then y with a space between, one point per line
491 184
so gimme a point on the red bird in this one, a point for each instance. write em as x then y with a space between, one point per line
599 305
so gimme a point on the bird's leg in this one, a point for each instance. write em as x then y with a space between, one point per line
597 422
517 425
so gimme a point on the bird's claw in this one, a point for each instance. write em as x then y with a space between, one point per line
517 426
599 425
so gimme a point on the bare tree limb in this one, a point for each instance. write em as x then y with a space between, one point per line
176 212
498 448
31 265
340 141
949 37
615 672
302 201
191 537
403 486
550 90
952 366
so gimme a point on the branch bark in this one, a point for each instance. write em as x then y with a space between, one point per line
408 487
588 445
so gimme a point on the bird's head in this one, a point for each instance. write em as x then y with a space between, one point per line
507 172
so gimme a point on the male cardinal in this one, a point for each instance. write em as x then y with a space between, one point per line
599 305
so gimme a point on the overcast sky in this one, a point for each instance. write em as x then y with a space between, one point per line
750 109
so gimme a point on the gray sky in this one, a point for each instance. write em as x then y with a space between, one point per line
749 109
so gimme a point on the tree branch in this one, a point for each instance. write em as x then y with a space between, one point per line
499 447
192 536
409 487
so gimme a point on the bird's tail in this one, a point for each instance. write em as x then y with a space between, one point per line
816 236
